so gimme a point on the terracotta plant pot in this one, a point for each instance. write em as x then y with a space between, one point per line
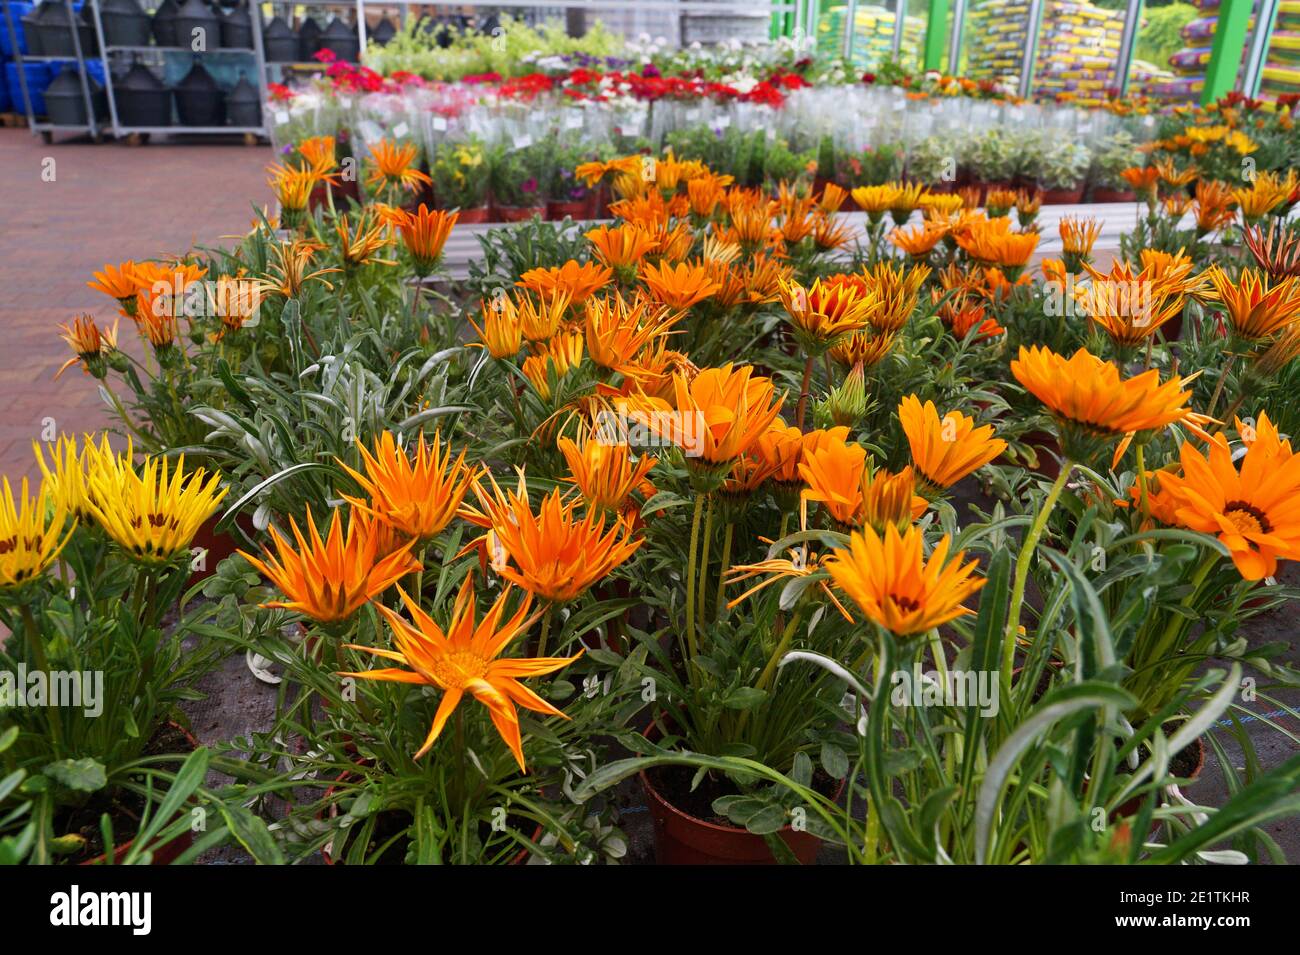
1113 195
1062 197
472 216
518 213
681 839
162 854
577 209
219 546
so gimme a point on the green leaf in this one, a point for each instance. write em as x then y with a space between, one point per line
83 775
744 698
834 760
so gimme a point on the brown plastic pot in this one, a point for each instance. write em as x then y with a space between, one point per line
1113 195
162 854
340 191
1131 806
1063 197
518 213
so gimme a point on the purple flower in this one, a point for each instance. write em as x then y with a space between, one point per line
529 185
651 71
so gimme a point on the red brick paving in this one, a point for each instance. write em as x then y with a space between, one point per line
107 203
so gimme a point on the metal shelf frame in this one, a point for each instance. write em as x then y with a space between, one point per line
46 129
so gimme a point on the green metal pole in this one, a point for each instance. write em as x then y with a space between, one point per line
936 35
1225 54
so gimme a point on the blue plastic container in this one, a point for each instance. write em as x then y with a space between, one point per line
17 9
38 77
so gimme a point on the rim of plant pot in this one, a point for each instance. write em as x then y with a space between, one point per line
162 854
1101 194
577 209
518 213
746 847
1063 197
474 215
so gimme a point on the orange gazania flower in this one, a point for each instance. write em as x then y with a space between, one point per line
945 450
466 658
1143 179
716 416
865 348
330 579
393 165
841 479
1254 511
415 494
894 585
120 282
832 198
552 554
89 344
1088 397
1077 239
1265 194
621 246
361 245
293 186
617 330
603 471
319 153
991 242
679 287
577 281
920 240
291 270
1213 206
425 233
1256 307
1130 307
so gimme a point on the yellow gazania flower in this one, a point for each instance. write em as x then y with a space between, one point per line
577 282
416 494
1130 307
617 330
603 471
1257 307
291 270
919 241
466 658
841 479
89 344
1175 177
763 277
865 348
330 579
1028 204
120 282
502 331
716 416
540 318
802 562
894 585
563 353
895 288
66 476
392 165
827 310
152 514
999 202
945 450
1254 511
425 233
679 287
552 553
32 533
623 246
1090 400
875 201
1265 194
945 203
361 245
293 186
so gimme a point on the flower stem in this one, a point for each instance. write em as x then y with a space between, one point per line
546 630
690 579
1218 388
804 390
1022 569
701 597
42 662
722 570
